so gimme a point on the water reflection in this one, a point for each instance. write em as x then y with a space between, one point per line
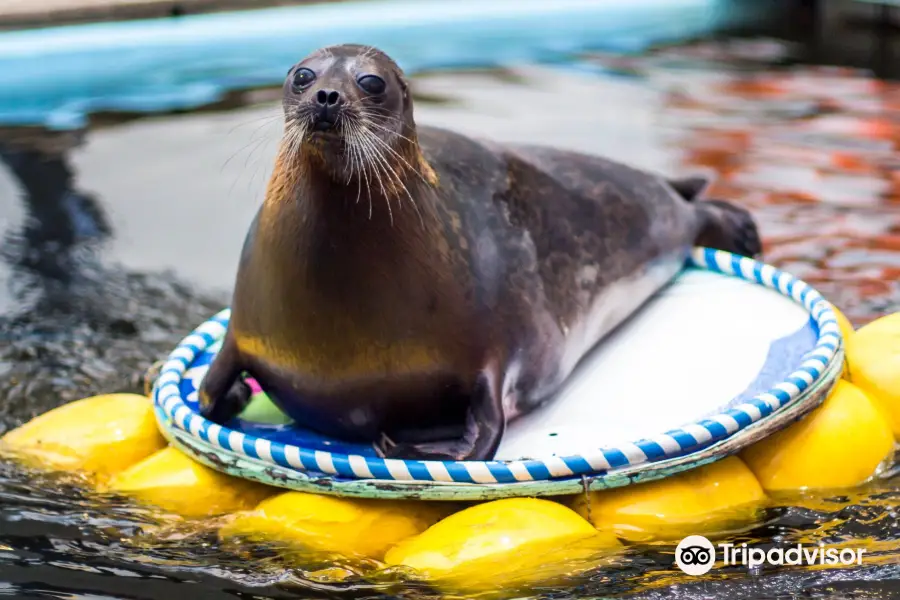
813 151
60 220
72 326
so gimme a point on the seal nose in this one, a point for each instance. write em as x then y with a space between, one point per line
329 102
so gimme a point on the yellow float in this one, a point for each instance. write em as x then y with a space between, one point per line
874 358
812 454
504 543
707 499
97 436
172 481
349 527
847 333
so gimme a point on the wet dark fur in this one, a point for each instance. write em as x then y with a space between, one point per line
428 325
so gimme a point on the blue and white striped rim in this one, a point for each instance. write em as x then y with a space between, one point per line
667 445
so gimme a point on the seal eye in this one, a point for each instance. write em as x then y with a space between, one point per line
303 78
372 84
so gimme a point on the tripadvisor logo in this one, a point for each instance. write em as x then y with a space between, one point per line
696 555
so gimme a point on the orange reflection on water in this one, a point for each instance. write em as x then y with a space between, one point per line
815 153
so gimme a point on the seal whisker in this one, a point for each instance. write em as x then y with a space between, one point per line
353 122
290 143
295 141
359 150
387 147
364 169
378 163
380 111
359 168
400 157
258 143
356 164
374 154
265 120
397 177
381 127
376 159
377 111
369 52
418 171
343 122
350 154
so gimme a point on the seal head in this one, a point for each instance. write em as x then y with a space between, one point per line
348 110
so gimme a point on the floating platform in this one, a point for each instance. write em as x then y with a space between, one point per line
728 354
729 387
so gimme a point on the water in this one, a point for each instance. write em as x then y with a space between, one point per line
117 242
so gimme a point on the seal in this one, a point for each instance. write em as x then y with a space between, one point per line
419 288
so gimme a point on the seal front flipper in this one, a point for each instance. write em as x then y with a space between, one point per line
485 423
223 394
728 227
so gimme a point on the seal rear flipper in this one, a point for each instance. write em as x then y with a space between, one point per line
728 227
223 394
485 423
690 188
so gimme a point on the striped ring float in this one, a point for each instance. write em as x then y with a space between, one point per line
705 440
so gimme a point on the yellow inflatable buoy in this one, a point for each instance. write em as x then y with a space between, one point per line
101 435
704 500
174 482
844 323
503 543
349 527
839 444
874 363
847 332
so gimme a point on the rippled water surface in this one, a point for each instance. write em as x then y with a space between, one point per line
115 243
